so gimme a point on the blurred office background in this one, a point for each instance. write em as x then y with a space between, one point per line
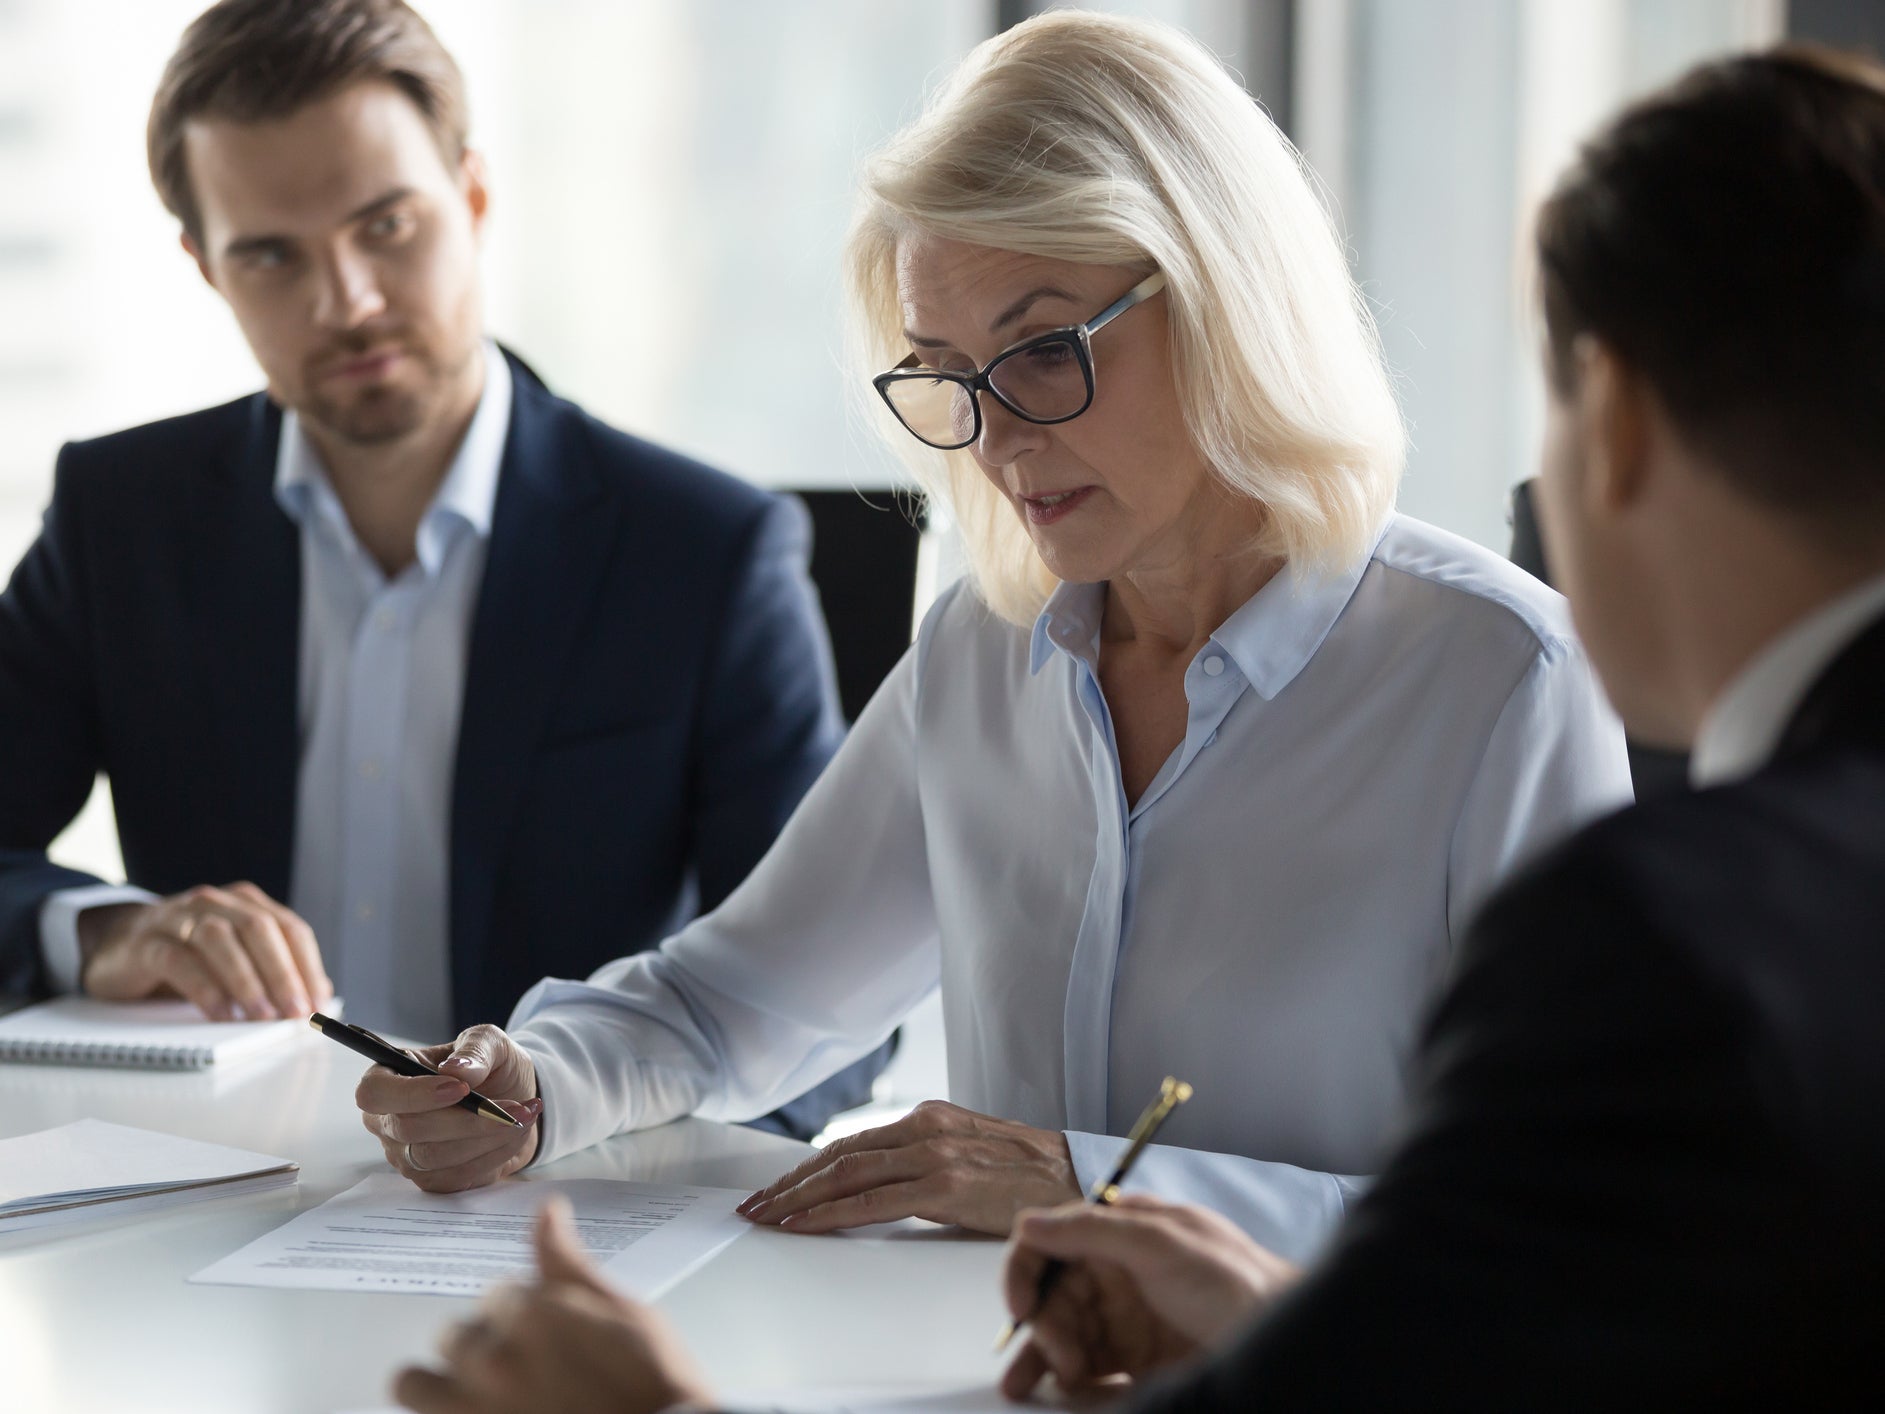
672 178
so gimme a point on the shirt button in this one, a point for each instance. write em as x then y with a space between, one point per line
1213 666
370 769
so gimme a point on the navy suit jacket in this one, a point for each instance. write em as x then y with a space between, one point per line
648 691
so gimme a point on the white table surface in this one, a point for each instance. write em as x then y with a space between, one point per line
99 1316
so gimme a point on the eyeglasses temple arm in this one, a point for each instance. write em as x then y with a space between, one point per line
1138 294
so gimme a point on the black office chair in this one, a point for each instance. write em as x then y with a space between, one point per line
864 547
1653 771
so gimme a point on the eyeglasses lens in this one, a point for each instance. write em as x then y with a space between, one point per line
936 409
1045 381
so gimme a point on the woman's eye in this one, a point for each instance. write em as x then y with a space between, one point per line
382 227
1050 355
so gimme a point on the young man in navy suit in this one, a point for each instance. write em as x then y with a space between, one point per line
463 686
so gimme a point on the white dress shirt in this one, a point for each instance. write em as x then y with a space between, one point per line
1366 755
1746 722
382 679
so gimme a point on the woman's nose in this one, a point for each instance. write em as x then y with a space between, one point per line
1005 438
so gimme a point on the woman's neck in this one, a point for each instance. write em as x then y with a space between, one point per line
1178 599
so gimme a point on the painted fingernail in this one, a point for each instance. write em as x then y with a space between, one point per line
758 1210
792 1219
259 1010
449 1089
534 1107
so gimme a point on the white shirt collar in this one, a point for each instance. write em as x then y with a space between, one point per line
1270 637
1746 723
466 497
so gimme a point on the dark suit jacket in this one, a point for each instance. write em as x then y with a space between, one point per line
1649 1168
648 690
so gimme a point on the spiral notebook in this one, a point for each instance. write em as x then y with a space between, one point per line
145 1035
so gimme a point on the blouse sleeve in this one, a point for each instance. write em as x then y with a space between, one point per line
1555 761
1292 1211
807 966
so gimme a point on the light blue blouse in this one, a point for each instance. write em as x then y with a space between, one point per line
1367 754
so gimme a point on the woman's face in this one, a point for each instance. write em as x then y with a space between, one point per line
1121 487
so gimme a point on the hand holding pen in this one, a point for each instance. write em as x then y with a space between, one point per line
1172 1093
434 1109
1138 1284
1141 1284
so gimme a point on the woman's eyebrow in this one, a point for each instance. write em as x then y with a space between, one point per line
1005 318
1021 306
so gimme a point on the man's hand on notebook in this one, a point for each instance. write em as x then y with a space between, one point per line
427 1138
235 952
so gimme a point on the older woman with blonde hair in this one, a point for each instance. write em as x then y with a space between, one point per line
1200 771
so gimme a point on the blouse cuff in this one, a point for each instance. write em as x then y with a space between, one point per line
1292 1211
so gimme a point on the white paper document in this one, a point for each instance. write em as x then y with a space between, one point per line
954 1399
385 1235
90 1168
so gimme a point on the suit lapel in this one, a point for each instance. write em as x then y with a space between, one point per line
548 549
246 577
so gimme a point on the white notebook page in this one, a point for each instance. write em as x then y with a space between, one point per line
170 1035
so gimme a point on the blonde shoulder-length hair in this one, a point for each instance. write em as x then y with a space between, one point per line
1112 141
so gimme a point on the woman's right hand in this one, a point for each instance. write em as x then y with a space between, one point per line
1147 1284
444 1149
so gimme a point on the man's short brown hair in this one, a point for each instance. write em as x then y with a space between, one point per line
252 61
1725 238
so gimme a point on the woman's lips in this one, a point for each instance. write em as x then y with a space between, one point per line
1054 505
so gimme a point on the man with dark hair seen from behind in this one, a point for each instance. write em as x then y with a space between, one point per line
406 674
1645 1166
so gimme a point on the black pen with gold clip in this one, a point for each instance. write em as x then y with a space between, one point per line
1171 1095
383 1052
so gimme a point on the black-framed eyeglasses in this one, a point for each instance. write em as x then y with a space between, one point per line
1046 379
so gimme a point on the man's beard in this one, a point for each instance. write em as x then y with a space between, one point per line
389 412
377 416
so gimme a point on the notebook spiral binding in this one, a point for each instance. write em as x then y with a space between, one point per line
105 1053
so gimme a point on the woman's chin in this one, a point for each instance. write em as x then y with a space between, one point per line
1073 565
1073 553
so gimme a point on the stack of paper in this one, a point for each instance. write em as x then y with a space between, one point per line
89 1168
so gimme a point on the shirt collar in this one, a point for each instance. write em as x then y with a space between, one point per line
1747 721
466 497
1270 637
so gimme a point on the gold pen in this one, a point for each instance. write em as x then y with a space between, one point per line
1171 1095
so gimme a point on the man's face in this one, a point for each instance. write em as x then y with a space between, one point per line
347 249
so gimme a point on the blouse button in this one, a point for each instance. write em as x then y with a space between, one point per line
1213 666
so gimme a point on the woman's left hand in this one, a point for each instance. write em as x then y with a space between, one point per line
940 1162
567 1344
